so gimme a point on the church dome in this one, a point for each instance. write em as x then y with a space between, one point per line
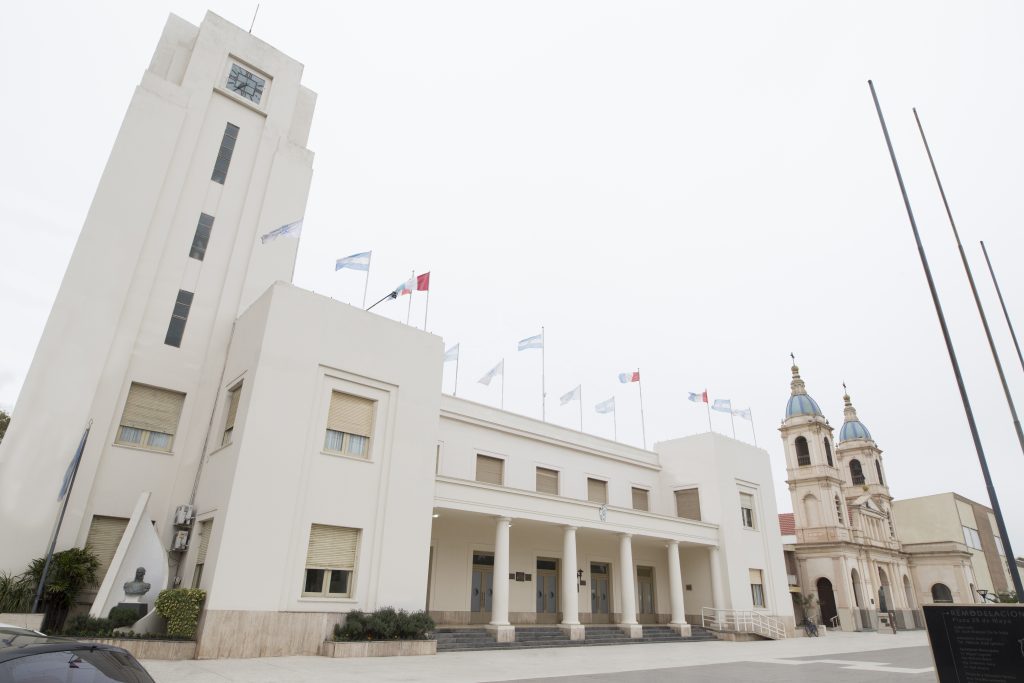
800 403
852 428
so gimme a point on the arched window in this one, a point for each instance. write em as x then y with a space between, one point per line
940 593
839 510
878 468
856 473
883 591
828 452
803 454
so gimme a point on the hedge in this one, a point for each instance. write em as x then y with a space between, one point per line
385 624
181 606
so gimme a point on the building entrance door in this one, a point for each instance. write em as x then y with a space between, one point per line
600 593
482 589
826 601
645 591
547 591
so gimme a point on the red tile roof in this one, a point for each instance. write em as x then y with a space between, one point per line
787 524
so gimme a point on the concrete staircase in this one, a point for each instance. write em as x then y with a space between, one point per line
468 638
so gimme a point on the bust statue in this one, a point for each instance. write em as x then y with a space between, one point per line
138 587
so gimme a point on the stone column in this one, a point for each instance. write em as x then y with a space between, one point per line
717 594
627 588
675 591
499 626
570 589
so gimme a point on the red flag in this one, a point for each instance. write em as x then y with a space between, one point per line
705 395
423 282
636 377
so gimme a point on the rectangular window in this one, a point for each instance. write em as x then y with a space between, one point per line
971 538
747 510
999 546
205 529
757 587
640 499
330 561
547 481
349 425
688 504
176 328
597 491
202 237
150 417
227 148
104 536
490 470
232 410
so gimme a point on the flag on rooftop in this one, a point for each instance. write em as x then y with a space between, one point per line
287 230
744 413
451 354
423 282
722 405
407 287
573 395
699 398
606 406
355 261
497 370
627 377
534 342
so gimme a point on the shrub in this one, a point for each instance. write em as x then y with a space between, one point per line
386 623
70 571
16 592
85 626
122 616
181 607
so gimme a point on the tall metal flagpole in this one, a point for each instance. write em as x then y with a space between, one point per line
543 386
615 424
581 407
640 386
752 430
732 419
426 308
455 391
1002 303
366 286
707 405
408 313
1014 573
503 384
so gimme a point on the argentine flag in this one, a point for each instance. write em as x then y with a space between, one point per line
722 405
573 395
451 354
497 370
355 261
606 406
534 342
289 230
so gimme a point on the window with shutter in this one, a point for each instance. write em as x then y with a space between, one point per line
547 481
349 424
150 417
232 411
330 561
640 499
688 504
757 588
747 510
205 529
104 536
490 470
597 490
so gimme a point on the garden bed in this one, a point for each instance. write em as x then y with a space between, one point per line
378 648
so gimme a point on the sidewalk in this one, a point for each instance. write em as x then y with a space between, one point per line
467 667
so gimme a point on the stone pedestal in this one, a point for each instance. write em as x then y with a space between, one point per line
685 630
574 631
632 630
503 633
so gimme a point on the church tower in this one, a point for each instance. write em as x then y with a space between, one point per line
815 481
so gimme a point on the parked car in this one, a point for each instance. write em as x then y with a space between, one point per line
27 656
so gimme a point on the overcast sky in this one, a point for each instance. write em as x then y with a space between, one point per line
692 189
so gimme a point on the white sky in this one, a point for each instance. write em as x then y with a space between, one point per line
694 189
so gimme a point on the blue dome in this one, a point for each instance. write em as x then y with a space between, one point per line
854 429
802 404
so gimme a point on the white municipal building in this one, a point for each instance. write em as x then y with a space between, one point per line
294 456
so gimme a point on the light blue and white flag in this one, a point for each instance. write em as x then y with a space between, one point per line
573 395
722 405
744 413
534 342
355 261
606 406
451 354
289 230
497 370
69 474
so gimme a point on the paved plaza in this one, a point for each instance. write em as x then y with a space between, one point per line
837 658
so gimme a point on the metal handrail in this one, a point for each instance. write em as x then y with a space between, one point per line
742 621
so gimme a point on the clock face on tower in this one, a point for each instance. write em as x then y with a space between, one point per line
245 83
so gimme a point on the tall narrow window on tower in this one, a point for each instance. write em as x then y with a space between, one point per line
227 148
803 453
176 328
202 237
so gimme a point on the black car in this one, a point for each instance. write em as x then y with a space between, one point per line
28 657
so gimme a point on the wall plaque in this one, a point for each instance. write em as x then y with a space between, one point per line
976 643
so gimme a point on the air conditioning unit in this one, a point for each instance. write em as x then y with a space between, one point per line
180 541
183 515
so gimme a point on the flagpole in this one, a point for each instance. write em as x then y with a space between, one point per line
615 424
543 387
752 430
968 411
389 295
640 386
455 391
408 313
426 309
503 384
732 419
366 286
1002 303
707 405
581 408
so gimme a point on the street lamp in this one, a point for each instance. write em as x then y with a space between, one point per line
983 592
579 579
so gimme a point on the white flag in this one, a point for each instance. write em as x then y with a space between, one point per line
606 406
498 369
355 261
534 342
451 354
722 405
573 395
289 230
744 413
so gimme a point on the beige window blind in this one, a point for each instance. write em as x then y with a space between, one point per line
490 470
640 501
152 409
104 536
688 504
547 481
755 576
350 414
205 529
233 396
332 547
597 491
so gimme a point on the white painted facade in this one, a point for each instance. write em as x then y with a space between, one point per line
259 473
